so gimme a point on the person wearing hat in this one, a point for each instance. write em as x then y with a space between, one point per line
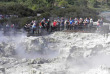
54 25
48 25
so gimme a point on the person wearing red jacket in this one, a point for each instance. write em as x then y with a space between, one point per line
54 25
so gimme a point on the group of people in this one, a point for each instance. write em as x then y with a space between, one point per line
60 24
8 27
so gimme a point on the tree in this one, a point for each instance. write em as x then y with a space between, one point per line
94 3
71 2
51 2
63 3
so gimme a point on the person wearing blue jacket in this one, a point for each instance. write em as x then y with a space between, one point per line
33 27
71 24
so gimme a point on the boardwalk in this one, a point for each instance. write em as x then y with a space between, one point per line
104 30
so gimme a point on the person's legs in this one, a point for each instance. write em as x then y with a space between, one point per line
47 28
63 27
70 27
55 28
67 27
33 31
51 28
59 27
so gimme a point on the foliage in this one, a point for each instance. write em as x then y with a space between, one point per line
63 3
49 8
18 21
16 9
36 4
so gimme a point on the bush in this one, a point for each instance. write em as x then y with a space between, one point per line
22 21
18 21
75 12
16 9
3 20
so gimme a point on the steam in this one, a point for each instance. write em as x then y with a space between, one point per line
24 50
74 53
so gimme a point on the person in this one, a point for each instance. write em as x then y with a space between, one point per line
29 27
12 27
101 22
62 23
40 25
51 26
40 28
33 27
7 27
81 23
90 25
67 24
25 27
37 26
70 26
91 22
32 23
85 22
98 22
43 24
76 24
48 25
54 25
88 21
58 24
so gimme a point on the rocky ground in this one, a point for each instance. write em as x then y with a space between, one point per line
57 53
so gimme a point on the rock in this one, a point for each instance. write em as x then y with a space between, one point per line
2 70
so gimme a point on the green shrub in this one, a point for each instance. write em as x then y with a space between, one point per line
17 9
